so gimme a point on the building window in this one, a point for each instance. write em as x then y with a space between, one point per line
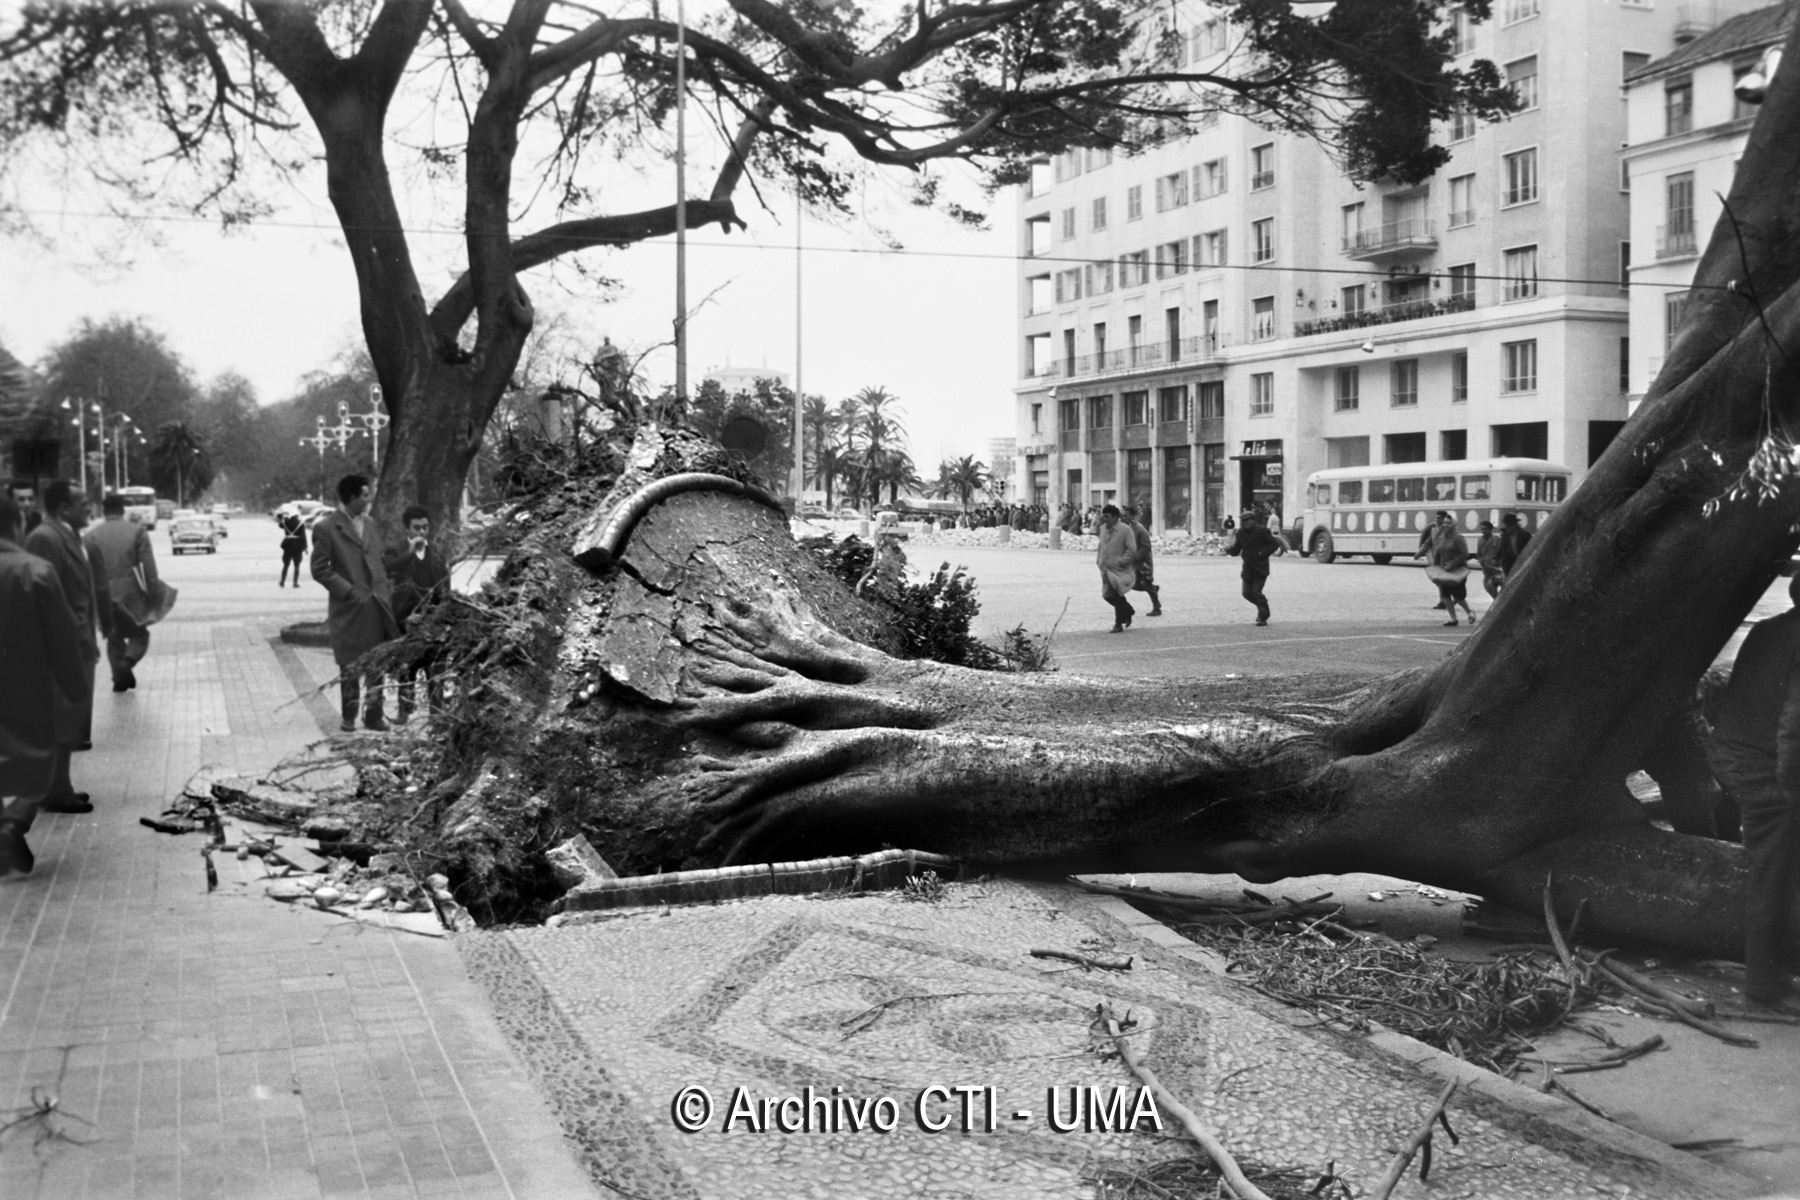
1068 285
1462 201
1171 404
1211 252
1099 412
1134 203
1100 343
1459 377
1521 273
1134 269
1068 225
1210 37
1037 235
1137 408
1518 366
1171 258
1462 285
1262 166
1068 165
1674 310
1521 177
1678 106
1353 227
1624 265
1262 395
1041 295
1214 178
1678 232
1262 319
1519 10
1399 448
1068 352
1098 156
1068 416
1356 299
1630 63
1624 364
1453 445
1347 394
1462 124
1209 328
1212 401
1522 78
1462 33
1404 383
1171 191
1099 277
1037 418
1099 217
1262 240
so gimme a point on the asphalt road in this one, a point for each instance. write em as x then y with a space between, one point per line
239 582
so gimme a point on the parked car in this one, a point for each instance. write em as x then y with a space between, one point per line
846 513
194 531
812 512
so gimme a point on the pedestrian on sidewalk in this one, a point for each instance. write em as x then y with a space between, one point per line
1755 754
346 560
420 578
293 546
1117 559
45 672
1255 545
57 540
1146 563
124 549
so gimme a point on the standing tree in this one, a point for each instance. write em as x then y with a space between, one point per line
875 429
210 94
960 478
128 367
180 455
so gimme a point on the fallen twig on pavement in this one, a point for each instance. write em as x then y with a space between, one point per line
1085 961
1419 1141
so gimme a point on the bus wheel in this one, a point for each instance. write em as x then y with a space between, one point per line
1382 560
1321 547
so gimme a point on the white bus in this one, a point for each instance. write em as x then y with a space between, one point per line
140 505
1382 511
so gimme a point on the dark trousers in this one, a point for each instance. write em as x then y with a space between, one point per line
1253 592
353 684
1122 610
290 558
1772 848
127 644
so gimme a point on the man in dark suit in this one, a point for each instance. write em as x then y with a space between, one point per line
346 560
41 660
124 550
57 540
420 579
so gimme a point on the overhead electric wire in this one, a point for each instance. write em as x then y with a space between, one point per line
795 248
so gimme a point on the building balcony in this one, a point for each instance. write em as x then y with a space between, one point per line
1396 237
1415 310
1678 243
1132 358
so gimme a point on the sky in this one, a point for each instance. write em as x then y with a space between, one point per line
933 325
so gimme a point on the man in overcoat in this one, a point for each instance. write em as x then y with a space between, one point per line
41 660
57 540
125 551
1117 559
346 561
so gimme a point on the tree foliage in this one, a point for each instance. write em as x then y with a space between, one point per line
198 104
960 478
181 461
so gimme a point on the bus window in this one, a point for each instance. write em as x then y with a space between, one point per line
1350 492
1411 491
1475 487
1441 487
1322 494
1528 487
1556 488
1381 491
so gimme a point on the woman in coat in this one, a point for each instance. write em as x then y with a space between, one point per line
1447 565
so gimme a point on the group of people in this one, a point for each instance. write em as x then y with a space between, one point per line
61 593
1448 559
374 595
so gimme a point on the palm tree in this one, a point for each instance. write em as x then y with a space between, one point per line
180 451
894 470
959 479
877 423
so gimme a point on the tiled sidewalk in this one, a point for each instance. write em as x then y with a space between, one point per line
224 1045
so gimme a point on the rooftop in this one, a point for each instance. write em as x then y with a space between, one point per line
1748 31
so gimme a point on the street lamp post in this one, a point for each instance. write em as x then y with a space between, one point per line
80 424
371 422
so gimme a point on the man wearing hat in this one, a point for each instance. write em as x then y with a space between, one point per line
1513 538
1755 753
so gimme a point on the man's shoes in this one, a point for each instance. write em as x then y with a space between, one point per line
1262 620
119 684
1155 612
1437 606
67 802
347 725
15 855
130 678
374 722
1450 622
1118 627
1128 617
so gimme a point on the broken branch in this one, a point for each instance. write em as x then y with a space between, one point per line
1083 960
1420 1139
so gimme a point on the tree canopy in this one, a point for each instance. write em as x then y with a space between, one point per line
529 109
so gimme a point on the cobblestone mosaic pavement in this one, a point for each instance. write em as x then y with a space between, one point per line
667 1040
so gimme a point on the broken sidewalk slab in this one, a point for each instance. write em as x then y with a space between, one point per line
576 863
265 802
883 870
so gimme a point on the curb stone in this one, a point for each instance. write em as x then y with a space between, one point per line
1562 1115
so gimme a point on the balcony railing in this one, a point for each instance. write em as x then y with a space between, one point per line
1414 310
1132 358
1396 237
1678 243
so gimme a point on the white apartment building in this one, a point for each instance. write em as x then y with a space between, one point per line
1205 324
1686 130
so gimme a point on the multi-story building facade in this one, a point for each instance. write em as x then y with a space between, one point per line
1205 324
1685 131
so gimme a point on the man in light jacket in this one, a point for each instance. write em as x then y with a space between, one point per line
346 561
130 562
1117 559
